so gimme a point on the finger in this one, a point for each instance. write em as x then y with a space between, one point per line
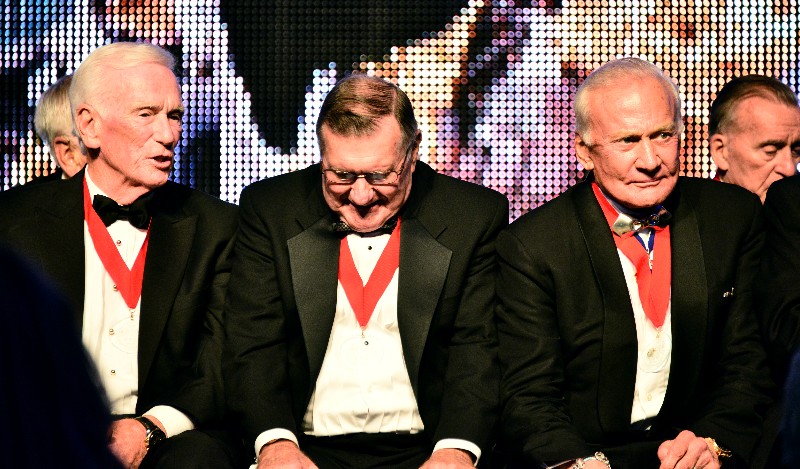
675 451
697 455
663 449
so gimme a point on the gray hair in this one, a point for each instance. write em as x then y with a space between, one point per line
357 102
52 117
721 115
615 72
87 81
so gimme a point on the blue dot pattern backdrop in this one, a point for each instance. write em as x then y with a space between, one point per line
491 81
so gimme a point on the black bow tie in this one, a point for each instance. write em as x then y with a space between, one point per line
136 213
341 227
625 224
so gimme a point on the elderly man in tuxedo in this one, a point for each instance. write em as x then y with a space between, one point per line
144 262
359 319
627 337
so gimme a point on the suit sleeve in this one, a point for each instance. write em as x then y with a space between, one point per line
535 421
470 392
779 289
255 359
736 379
201 396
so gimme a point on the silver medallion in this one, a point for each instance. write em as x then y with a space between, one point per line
656 353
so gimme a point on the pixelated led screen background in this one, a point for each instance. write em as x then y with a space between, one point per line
492 81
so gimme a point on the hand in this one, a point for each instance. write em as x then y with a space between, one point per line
127 442
687 451
448 458
283 454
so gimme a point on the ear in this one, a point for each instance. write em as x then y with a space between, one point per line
415 150
583 153
69 155
87 126
718 147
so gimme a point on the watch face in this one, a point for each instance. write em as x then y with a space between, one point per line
155 437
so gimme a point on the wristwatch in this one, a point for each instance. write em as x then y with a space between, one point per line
154 435
580 463
719 450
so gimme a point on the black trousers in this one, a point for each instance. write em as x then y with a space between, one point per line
197 449
367 450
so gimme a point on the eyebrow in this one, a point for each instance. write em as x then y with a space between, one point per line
671 127
773 143
156 108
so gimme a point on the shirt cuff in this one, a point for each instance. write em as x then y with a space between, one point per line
272 435
456 443
173 420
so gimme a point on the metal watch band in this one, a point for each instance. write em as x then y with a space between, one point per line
598 456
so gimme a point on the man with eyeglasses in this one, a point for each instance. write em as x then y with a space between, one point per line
359 319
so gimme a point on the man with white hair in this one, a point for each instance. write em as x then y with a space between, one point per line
53 123
626 330
149 282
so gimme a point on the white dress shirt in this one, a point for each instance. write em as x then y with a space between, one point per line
655 351
363 385
654 344
111 329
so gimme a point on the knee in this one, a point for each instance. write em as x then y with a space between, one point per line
194 450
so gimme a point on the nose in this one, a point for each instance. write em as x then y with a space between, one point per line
166 130
787 165
648 159
361 192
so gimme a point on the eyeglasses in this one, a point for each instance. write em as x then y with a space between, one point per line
374 178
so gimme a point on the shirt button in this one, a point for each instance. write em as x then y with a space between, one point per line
111 332
649 397
113 372
114 287
119 242
651 352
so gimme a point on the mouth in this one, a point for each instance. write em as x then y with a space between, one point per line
163 161
648 182
363 210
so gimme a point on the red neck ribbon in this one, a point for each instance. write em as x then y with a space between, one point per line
364 297
654 285
128 282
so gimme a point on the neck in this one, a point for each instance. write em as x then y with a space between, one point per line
114 185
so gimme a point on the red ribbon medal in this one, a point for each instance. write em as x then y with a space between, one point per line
364 297
654 285
128 282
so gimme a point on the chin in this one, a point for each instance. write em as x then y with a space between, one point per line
365 224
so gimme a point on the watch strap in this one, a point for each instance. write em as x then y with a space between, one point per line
153 434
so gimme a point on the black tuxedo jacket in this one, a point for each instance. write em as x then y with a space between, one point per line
186 273
282 302
778 292
567 334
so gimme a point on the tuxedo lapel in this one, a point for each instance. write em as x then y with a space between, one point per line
424 264
618 376
170 244
62 244
689 304
314 262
